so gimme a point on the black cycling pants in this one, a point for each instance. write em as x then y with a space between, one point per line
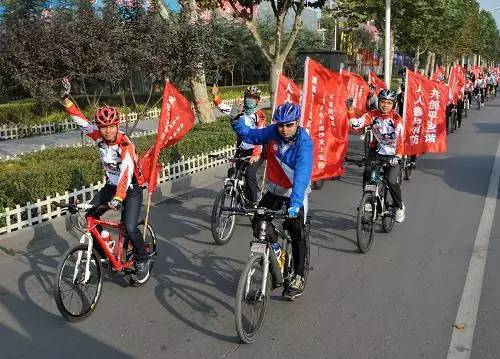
252 186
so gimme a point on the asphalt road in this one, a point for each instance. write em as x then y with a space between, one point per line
400 300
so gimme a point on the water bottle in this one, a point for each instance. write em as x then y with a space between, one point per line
277 250
106 236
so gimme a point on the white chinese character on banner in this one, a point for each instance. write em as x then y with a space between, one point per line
430 138
418 111
433 105
435 94
414 139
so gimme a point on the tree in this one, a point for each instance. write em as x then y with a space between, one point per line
277 50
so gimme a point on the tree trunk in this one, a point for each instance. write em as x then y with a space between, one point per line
200 98
428 63
416 62
433 63
276 69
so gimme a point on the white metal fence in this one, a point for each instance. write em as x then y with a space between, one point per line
13 219
9 132
86 142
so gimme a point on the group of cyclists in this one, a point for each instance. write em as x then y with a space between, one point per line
285 147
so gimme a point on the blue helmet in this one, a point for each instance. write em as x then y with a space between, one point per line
288 112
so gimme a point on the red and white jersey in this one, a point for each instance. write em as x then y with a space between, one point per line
118 158
387 130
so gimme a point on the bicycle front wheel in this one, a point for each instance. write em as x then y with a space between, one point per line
222 224
251 303
76 298
365 228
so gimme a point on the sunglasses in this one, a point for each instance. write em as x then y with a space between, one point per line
287 125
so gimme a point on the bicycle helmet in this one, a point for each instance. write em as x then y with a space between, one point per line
107 116
286 113
252 91
387 95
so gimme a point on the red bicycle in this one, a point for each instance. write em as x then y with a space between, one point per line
79 276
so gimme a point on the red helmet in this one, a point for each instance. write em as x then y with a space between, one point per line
107 116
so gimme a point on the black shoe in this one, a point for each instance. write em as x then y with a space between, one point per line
295 288
413 165
142 271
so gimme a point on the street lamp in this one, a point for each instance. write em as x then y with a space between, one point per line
387 60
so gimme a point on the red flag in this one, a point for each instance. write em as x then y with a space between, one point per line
376 82
357 89
456 82
324 117
438 75
176 120
287 91
424 115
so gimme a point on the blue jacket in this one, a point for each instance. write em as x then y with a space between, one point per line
289 164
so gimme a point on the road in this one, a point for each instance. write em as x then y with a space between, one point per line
400 300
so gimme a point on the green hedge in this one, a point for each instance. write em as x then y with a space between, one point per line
28 112
38 175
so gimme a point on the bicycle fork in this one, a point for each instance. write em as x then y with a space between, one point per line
79 258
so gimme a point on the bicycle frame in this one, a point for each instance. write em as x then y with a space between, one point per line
92 233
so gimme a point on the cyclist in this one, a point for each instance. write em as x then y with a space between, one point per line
372 99
468 89
124 180
387 130
479 86
289 167
254 118
491 83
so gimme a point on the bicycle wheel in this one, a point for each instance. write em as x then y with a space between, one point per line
251 304
478 102
365 228
307 264
222 225
152 250
317 185
75 299
408 172
388 218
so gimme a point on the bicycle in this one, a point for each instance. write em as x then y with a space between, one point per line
264 272
232 195
376 202
466 106
478 99
81 268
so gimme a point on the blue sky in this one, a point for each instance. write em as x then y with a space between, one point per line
491 4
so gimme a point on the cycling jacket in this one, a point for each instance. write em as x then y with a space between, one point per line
387 130
118 158
289 163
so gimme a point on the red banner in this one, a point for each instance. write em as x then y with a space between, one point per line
324 117
287 91
438 75
176 120
456 81
357 89
376 82
424 115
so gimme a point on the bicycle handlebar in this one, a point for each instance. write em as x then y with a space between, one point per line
373 163
76 207
221 157
261 211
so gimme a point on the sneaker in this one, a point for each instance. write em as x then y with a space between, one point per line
295 288
142 271
413 165
482 105
250 205
400 214
368 207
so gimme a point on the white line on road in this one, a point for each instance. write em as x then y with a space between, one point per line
463 331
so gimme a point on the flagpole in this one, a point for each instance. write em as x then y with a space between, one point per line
150 194
147 216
